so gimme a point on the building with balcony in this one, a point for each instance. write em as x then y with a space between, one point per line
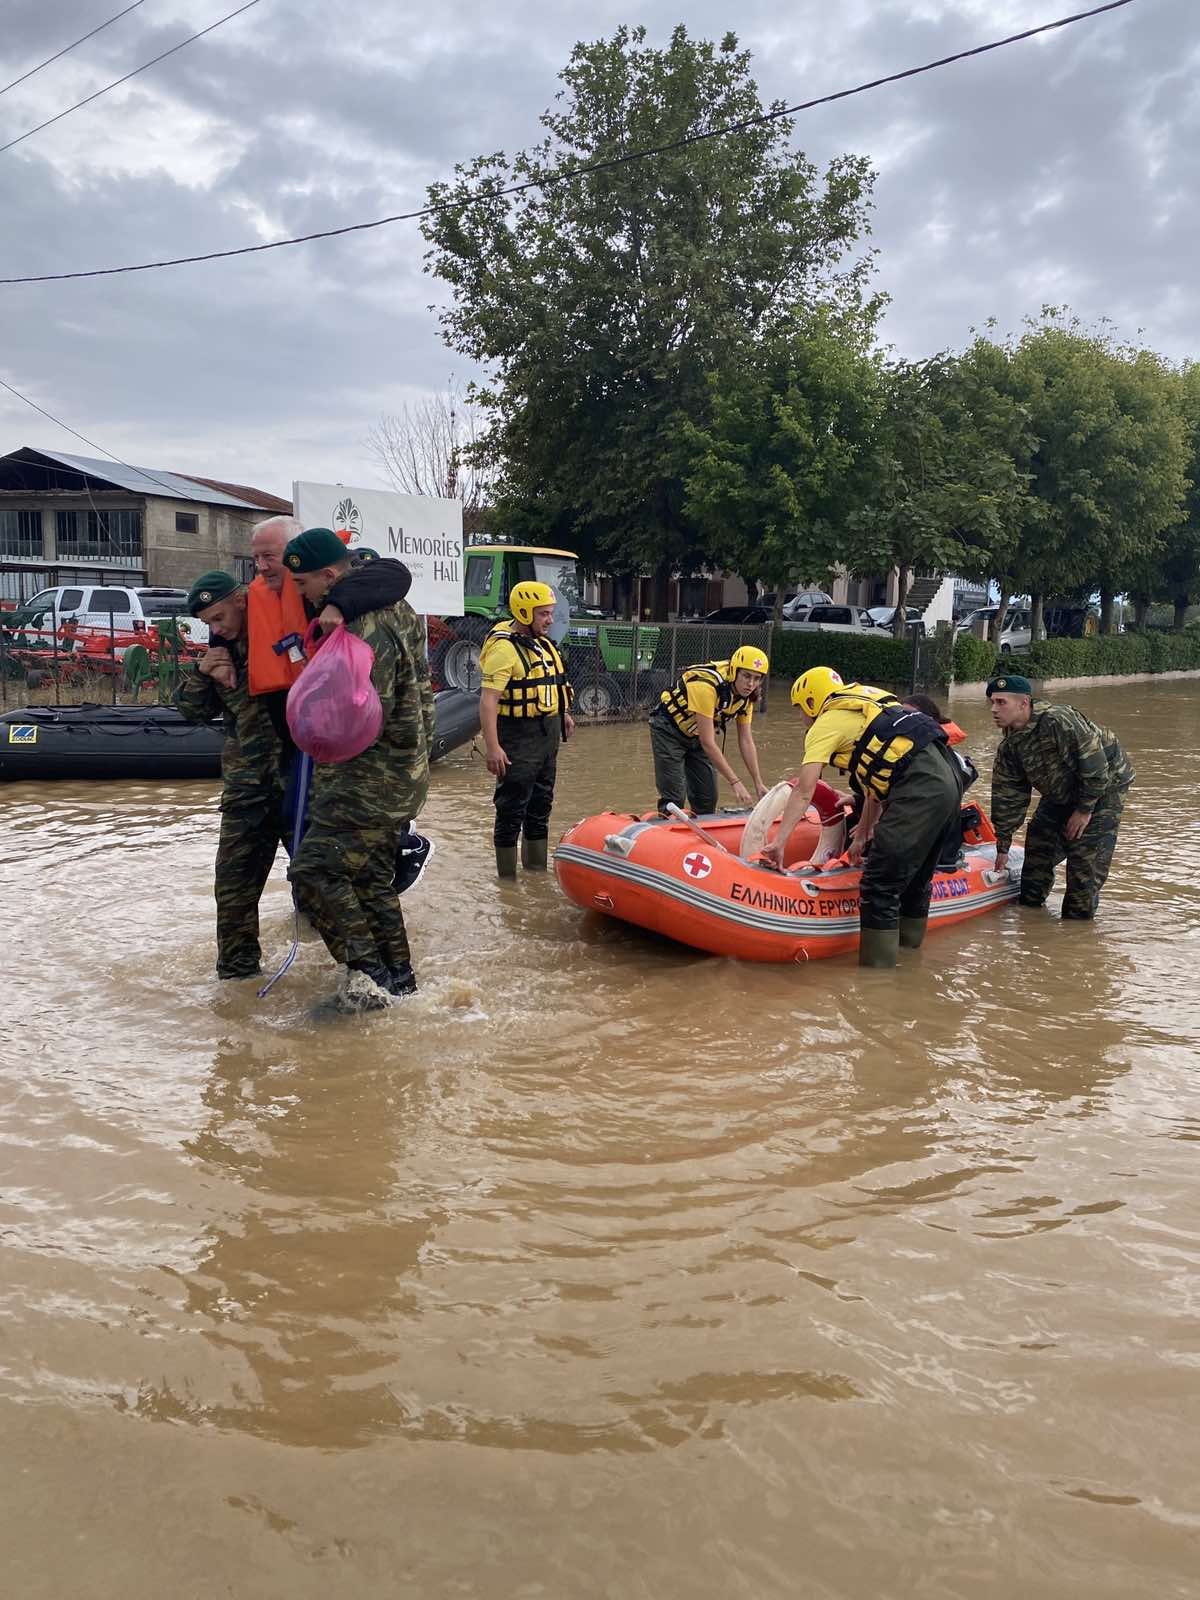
76 519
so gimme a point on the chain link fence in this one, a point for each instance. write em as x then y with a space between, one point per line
46 659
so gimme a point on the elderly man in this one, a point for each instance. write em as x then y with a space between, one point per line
275 612
344 871
1082 774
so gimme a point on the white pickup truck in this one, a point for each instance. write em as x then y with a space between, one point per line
107 607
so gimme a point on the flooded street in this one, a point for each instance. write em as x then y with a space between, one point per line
601 1268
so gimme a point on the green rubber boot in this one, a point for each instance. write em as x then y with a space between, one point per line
878 947
534 854
912 932
506 860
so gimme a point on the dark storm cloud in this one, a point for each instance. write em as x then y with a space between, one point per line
1059 170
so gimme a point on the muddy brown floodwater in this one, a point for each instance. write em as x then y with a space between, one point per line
601 1268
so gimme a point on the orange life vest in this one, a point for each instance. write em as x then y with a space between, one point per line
270 619
953 732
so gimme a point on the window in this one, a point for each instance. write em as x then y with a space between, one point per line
69 599
110 600
100 535
477 584
187 522
21 534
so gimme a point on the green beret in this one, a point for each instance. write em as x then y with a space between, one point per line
1010 683
208 589
364 554
313 549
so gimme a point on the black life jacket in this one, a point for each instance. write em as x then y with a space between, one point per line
542 690
892 734
730 704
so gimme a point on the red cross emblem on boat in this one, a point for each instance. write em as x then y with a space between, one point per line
697 865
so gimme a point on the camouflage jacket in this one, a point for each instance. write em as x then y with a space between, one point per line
253 755
397 764
1068 759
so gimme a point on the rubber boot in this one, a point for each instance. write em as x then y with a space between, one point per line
402 980
534 854
878 947
912 932
506 860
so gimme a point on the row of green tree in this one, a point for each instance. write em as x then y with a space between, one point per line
684 370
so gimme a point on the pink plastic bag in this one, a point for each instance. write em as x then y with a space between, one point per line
333 710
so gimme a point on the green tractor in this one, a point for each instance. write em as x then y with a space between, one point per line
610 663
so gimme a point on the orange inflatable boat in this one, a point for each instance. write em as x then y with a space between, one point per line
702 881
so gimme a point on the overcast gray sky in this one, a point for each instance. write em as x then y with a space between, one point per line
1060 170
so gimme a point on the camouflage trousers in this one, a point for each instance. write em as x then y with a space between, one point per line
344 873
1088 858
251 833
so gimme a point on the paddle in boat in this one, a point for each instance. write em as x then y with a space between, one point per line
703 881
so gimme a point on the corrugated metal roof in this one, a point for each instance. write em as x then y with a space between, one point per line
142 480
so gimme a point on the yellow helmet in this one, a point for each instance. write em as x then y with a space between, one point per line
812 688
525 599
749 658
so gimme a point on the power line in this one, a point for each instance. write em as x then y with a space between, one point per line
582 171
116 84
141 471
67 48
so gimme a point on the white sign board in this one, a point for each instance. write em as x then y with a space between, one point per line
426 534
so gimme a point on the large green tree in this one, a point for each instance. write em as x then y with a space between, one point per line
606 307
1106 460
945 492
1171 571
779 465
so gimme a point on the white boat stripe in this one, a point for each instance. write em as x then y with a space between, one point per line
763 921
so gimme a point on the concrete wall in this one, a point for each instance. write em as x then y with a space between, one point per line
175 559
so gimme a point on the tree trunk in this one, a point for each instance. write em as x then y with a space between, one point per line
1037 629
998 619
1141 607
1181 611
1106 611
900 620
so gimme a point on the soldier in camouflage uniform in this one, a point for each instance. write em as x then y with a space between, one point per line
344 871
1082 774
253 758
257 751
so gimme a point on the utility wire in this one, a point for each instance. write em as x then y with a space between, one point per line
141 471
67 48
145 66
576 172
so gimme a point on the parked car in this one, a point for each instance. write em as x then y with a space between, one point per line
1017 632
106 608
797 606
836 619
884 617
739 616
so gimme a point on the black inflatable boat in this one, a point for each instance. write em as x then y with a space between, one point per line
39 742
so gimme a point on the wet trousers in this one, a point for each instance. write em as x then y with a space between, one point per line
344 873
524 796
251 833
898 872
683 774
1088 858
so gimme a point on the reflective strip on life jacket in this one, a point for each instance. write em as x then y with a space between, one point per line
542 690
730 704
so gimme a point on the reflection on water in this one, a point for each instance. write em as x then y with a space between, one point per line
601 1267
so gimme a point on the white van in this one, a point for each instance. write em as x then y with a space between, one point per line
108 606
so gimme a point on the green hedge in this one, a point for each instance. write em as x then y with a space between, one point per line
1174 652
859 660
973 658
1087 658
